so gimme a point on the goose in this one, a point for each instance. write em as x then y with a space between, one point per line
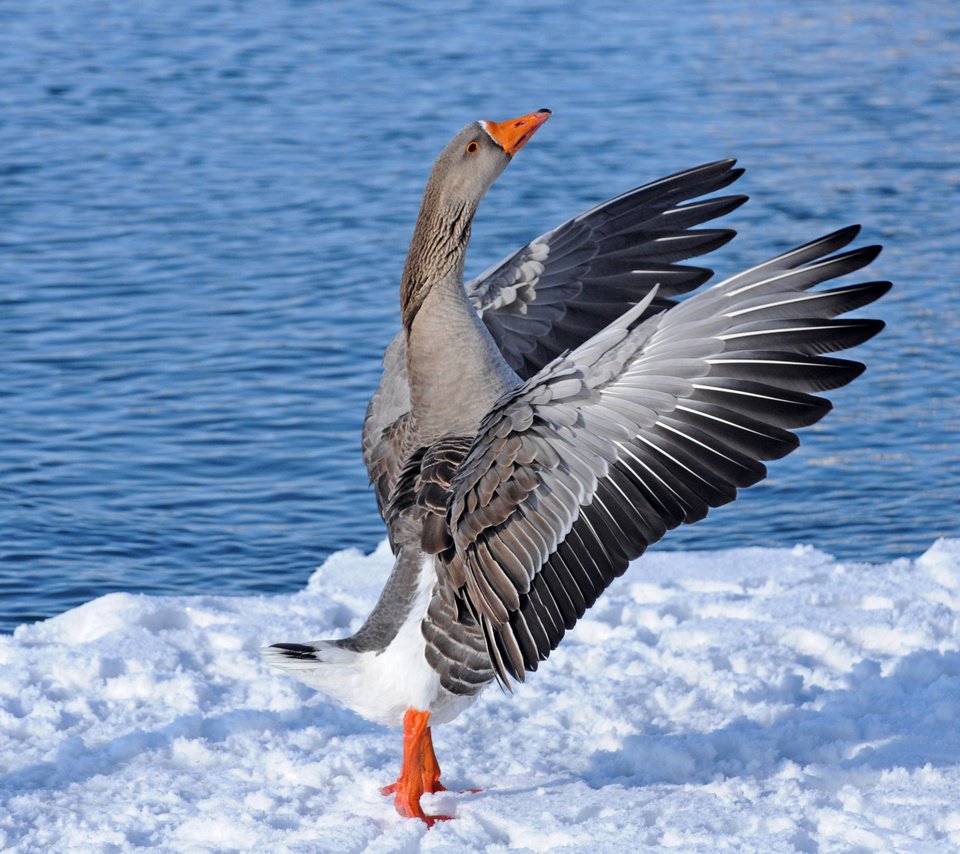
537 428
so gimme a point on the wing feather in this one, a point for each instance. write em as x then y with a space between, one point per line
648 424
554 293
548 296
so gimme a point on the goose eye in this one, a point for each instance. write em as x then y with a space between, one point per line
472 148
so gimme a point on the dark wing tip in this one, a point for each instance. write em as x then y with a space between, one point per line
734 201
869 292
721 237
863 331
843 236
854 369
715 169
832 242
722 165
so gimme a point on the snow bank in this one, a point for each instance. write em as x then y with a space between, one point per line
754 700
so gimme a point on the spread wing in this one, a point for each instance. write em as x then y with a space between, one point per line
647 425
557 291
554 293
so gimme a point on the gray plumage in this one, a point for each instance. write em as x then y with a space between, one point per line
536 429
569 283
646 425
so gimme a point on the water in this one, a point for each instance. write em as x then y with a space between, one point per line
204 208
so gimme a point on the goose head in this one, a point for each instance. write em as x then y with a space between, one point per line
461 176
476 156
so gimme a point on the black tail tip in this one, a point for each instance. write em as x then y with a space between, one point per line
295 650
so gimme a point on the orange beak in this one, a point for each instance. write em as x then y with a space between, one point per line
513 134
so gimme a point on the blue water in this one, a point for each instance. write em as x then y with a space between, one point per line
204 208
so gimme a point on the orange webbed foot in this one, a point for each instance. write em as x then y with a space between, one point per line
412 809
420 771
431 790
429 787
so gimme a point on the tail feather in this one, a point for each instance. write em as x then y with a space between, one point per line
306 656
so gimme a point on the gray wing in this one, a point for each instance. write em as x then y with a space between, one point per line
416 516
385 424
568 284
554 293
647 425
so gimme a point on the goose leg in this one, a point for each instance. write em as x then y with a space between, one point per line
430 768
419 772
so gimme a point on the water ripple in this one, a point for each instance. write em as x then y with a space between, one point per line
205 207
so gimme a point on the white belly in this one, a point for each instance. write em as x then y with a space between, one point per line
381 686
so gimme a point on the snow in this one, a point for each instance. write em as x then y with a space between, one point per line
749 700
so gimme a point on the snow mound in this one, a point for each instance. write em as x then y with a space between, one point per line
754 700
